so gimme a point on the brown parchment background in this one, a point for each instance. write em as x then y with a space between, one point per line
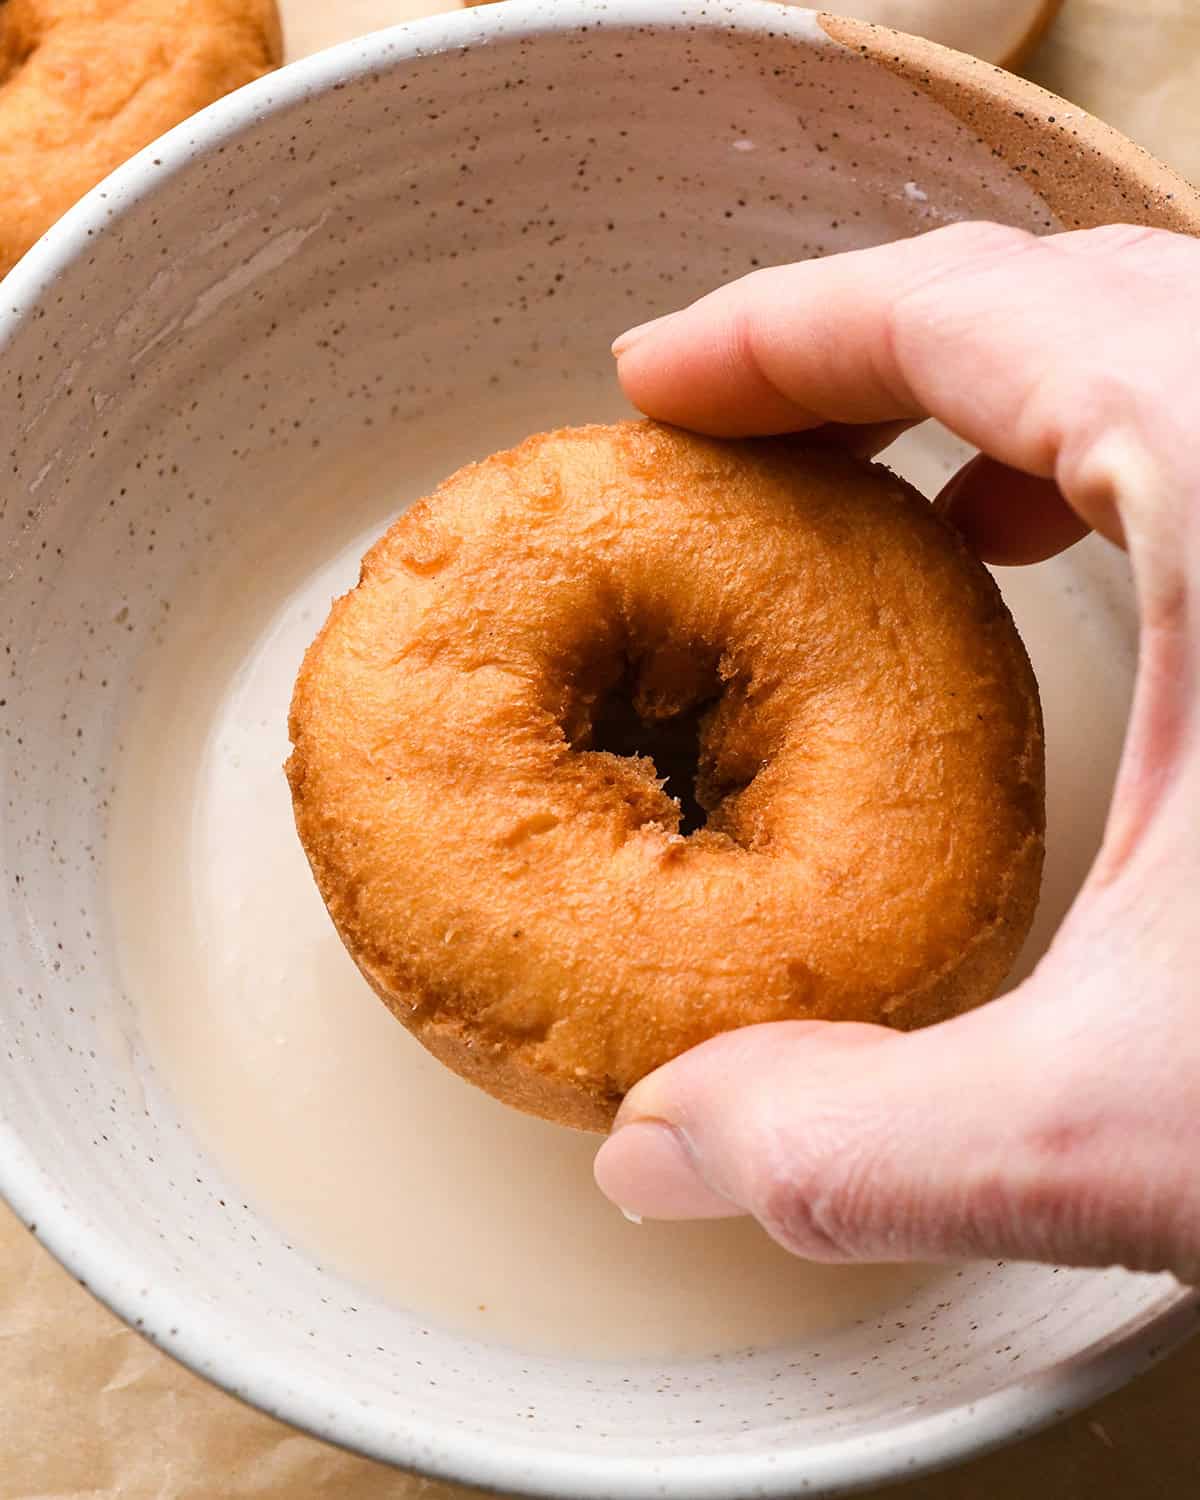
88 1411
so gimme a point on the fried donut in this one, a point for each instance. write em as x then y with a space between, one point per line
519 885
86 83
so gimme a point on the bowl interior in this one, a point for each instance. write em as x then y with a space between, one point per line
438 229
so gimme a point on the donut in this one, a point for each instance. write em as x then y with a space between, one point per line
86 83
627 737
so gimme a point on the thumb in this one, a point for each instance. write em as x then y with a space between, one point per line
851 1142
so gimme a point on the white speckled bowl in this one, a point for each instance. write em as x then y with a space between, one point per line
433 215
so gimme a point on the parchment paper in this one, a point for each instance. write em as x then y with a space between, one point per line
88 1411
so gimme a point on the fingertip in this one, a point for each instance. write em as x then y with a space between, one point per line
668 375
692 368
1007 517
647 1170
624 342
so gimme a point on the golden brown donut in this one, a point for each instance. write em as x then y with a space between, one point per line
86 83
869 759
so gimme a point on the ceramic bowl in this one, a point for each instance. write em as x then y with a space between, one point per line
420 220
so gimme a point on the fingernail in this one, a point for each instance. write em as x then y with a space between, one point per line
647 1169
625 342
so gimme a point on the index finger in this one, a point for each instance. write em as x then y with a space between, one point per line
1028 348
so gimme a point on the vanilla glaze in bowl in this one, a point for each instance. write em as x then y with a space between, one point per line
239 347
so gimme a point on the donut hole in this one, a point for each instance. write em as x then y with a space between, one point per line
673 744
662 704
18 40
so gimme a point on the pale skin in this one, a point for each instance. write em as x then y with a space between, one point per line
1061 1122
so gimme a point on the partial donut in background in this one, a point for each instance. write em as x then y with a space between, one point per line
999 31
86 83
628 737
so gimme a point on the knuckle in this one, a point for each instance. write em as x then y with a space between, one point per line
943 260
979 237
807 1201
1100 445
957 252
754 296
749 343
1110 393
1109 239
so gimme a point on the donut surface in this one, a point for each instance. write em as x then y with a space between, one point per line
86 83
863 718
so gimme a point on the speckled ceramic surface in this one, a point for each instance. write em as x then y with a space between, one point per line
427 217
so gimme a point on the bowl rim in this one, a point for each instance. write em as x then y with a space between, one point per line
178 1323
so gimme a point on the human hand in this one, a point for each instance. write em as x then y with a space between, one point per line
1061 1122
